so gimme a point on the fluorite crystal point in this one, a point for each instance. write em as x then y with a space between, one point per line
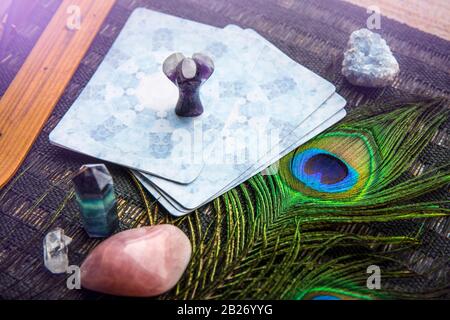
55 251
95 195
188 74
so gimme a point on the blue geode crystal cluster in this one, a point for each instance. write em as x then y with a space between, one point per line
368 60
94 190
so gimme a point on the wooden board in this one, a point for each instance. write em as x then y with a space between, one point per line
431 16
34 92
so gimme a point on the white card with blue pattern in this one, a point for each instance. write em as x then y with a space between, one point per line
125 113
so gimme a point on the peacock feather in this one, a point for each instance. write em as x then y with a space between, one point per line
284 236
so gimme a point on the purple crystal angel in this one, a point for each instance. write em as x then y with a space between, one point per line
188 74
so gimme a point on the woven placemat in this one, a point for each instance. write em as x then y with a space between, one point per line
313 32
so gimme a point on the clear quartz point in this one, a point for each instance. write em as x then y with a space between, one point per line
55 251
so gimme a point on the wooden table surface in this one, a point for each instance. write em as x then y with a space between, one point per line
432 16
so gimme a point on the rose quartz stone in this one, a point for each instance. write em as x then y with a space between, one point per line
141 262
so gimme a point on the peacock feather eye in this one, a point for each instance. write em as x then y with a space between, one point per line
323 171
336 165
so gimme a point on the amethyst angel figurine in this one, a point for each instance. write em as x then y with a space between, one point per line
188 74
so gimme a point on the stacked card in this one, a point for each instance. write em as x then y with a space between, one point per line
259 105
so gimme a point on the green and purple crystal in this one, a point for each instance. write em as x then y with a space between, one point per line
94 190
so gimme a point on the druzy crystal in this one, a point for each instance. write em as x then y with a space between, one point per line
368 60
95 195
188 74
55 251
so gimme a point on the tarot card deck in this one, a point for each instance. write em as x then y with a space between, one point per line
259 105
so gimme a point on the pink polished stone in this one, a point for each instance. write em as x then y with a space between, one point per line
141 262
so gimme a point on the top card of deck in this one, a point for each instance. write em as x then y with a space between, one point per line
126 113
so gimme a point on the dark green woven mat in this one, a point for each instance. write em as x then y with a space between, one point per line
314 33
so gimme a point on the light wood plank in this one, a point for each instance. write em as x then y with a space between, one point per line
34 92
432 16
